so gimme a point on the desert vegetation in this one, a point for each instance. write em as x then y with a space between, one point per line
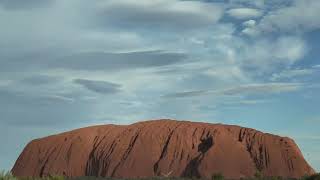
8 176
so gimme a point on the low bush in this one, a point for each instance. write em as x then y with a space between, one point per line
218 176
313 177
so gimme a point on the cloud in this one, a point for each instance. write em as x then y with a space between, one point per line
250 89
267 55
159 13
252 102
244 13
249 28
292 73
20 109
249 23
117 61
91 61
263 88
40 80
102 87
250 31
250 3
291 48
14 97
290 18
316 66
22 4
240 102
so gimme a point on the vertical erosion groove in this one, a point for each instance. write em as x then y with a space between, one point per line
254 142
46 162
163 153
127 152
92 166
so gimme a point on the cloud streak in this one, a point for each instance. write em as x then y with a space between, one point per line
159 13
118 61
37 80
250 89
293 73
22 5
102 87
244 13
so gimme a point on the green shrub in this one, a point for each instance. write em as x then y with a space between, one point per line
313 177
258 175
276 178
218 176
56 178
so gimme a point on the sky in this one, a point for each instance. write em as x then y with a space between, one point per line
70 64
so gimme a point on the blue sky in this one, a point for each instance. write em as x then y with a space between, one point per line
69 64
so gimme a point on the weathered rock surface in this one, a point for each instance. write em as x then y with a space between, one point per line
162 148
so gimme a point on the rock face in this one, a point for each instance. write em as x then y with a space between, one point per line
162 148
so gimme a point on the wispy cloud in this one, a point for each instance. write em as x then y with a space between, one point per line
102 87
159 13
13 97
293 73
118 61
244 13
20 4
268 88
286 51
40 80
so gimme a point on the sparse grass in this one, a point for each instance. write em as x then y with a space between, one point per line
219 176
7 176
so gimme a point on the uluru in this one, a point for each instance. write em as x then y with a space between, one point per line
162 148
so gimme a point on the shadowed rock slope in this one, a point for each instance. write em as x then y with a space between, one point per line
162 148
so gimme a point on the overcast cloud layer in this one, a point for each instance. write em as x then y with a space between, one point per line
69 64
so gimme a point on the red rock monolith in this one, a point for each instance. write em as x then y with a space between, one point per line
162 148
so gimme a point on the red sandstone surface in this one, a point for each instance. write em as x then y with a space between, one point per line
162 148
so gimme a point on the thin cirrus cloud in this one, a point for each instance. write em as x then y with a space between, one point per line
117 61
316 66
13 97
244 13
40 80
19 109
22 4
159 13
254 89
101 87
292 73
91 61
